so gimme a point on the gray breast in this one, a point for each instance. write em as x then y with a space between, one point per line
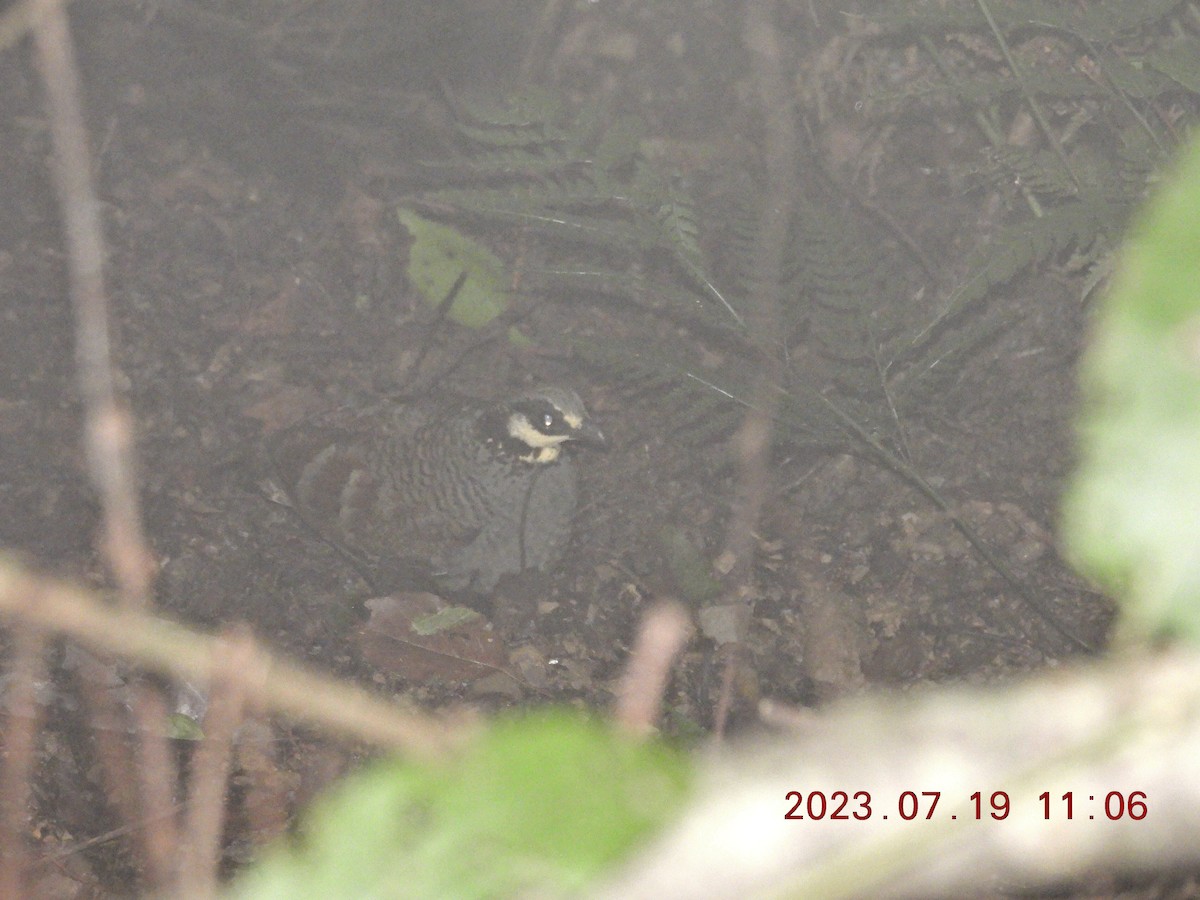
430 489
527 526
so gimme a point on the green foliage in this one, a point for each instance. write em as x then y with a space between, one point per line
848 297
601 221
182 727
440 256
444 620
1132 515
610 224
1095 169
576 183
1083 186
537 807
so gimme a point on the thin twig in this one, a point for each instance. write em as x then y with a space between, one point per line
753 440
167 647
662 634
74 849
108 424
108 430
158 781
210 768
730 656
112 734
20 747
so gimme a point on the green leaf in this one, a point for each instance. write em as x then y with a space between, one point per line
440 255
182 727
443 620
689 568
1132 514
537 807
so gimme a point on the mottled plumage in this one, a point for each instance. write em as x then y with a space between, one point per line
466 492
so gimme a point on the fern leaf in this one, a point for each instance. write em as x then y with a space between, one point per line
1098 21
677 222
1017 247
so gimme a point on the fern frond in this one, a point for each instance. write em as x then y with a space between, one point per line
1098 21
531 112
1017 247
1040 171
675 219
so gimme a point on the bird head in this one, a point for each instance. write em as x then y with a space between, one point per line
544 419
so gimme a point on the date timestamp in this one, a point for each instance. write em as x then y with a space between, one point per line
997 805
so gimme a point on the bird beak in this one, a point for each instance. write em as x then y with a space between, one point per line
591 436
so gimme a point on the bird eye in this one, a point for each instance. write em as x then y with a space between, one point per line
548 422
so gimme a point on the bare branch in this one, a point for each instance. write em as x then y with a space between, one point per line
210 768
662 634
20 749
1000 760
108 429
169 648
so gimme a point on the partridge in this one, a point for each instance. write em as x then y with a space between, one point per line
464 492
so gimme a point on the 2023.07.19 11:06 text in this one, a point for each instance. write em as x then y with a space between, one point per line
909 805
